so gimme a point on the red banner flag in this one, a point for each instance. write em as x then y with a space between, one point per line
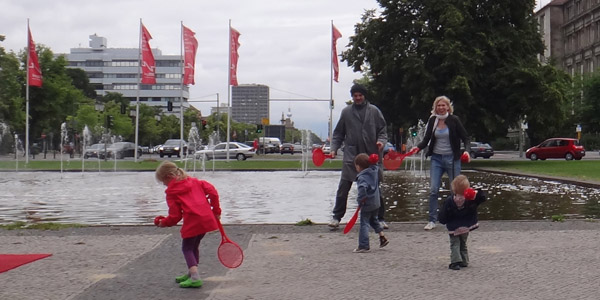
233 55
148 63
335 35
33 65
190 45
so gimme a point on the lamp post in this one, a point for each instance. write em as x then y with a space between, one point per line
524 127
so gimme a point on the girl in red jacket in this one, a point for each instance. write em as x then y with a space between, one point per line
197 202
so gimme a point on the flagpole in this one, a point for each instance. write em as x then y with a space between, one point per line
228 92
27 100
331 88
181 98
137 100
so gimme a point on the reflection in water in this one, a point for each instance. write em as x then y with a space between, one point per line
269 197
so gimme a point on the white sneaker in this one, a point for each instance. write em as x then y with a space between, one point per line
429 226
334 223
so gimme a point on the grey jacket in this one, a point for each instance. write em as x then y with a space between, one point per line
358 136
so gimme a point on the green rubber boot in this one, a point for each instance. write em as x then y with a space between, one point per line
190 283
182 278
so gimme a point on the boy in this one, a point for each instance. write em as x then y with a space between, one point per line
368 199
459 213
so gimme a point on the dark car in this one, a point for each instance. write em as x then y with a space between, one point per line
566 148
122 149
286 148
172 147
479 149
95 150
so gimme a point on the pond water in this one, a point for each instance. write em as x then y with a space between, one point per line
133 198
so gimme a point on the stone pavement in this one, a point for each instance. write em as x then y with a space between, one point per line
509 260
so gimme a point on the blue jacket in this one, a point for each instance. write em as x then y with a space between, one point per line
464 217
368 188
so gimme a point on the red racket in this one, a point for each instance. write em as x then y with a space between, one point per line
392 160
352 221
319 157
230 254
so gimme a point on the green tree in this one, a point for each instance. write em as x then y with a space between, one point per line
11 100
481 54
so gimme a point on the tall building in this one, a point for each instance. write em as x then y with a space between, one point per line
571 33
116 70
249 103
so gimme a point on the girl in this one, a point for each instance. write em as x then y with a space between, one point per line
197 202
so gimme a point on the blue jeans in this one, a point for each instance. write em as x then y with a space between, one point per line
367 219
439 165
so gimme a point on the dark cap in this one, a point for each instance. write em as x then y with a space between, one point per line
358 88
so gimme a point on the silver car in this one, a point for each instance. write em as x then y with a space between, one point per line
237 150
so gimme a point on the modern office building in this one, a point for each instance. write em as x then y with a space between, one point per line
116 70
249 103
571 33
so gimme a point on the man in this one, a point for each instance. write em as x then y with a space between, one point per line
362 129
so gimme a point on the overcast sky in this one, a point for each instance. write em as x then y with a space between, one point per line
284 44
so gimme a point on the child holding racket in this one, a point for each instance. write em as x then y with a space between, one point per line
197 202
459 213
368 199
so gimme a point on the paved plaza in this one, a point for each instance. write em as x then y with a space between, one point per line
509 260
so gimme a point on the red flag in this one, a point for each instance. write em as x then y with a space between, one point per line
335 35
148 63
190 45
33 65
233 55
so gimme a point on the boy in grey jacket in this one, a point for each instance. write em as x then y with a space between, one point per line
368 200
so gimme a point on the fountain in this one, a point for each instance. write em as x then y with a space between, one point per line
4 135
412 142
64 138
86 140
194 143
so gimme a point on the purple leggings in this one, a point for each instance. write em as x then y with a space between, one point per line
190 246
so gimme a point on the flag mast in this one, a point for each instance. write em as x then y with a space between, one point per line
228 92
331 87
181 98
137 98
27 97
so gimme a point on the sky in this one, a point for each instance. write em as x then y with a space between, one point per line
285 44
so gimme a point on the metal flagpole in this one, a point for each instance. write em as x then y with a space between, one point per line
228 93
331 89
27 101
181 100
137 98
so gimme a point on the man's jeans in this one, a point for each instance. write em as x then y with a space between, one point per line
439 165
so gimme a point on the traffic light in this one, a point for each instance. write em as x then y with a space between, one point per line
259 128
413 132
109 121
170 105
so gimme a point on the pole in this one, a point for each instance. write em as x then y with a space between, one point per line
218 119
331 89
27 102
228 93
181 99
137 98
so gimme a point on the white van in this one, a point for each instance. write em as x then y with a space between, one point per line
270 140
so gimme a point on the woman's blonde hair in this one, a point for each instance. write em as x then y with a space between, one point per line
445 99
168 169
460 184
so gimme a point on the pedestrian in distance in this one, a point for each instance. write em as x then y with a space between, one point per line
362 129
197 203
459 213
443 135
367 182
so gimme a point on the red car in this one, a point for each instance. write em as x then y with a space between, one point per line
566 148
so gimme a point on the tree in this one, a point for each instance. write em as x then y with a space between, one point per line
11 100
481 54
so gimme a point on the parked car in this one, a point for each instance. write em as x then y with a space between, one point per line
237 150
123 149
479 149
566 148
95 150
286 148
171 147
388 146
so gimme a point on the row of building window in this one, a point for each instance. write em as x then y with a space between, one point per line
143 87
122 63
129 75
577 7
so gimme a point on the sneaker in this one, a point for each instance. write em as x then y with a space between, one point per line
383 241
361 250
182 278
454 266
334 223
190 283
429 226
384 225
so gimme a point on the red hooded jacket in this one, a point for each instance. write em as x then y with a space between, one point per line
189 199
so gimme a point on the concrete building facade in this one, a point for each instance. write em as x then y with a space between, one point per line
249 103
116 70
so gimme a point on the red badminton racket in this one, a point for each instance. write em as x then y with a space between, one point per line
352 221
230 254
392 160
318 157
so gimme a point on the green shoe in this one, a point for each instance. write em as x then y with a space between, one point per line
189 283
182 278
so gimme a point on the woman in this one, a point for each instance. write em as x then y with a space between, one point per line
442 138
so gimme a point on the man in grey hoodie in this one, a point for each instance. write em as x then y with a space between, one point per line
362 128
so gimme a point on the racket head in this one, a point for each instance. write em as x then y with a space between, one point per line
352 221
230 254
318 157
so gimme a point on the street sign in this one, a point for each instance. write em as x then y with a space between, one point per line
265 121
